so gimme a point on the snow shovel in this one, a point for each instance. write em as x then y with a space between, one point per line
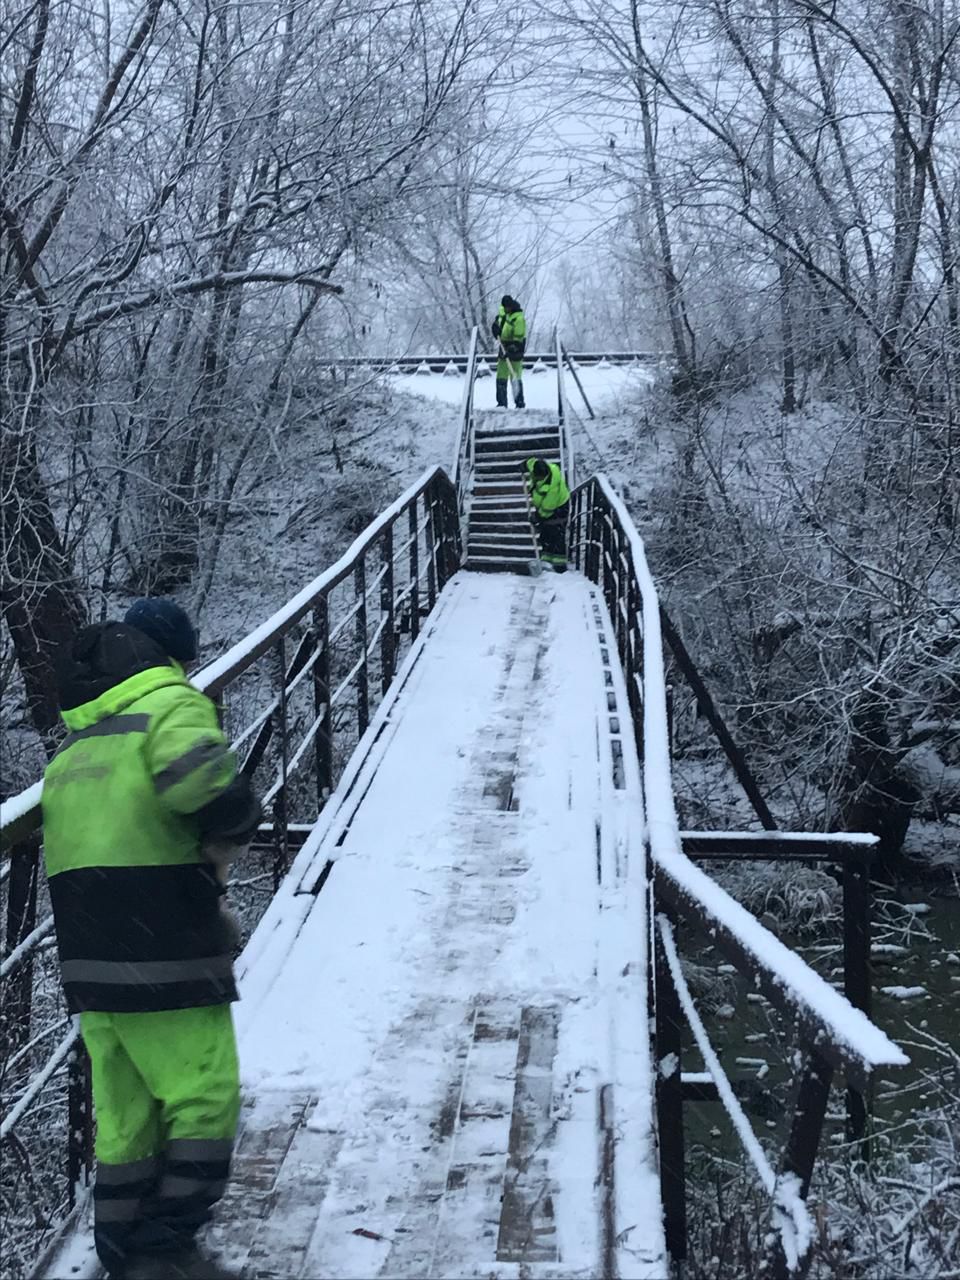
538 566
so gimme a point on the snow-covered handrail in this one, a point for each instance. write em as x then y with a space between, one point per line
462 464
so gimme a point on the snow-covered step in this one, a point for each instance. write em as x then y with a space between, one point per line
498 488
514 468
512 444
507 537
496 564
500 503
485 550
528 443
485 515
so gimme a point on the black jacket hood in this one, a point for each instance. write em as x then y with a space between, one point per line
101 656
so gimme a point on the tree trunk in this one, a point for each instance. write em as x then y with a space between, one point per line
39 597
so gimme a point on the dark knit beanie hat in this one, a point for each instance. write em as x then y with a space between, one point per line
166 623
506 301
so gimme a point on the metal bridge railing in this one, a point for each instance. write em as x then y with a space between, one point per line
456 362
568 462
831 1033
295 697
464 451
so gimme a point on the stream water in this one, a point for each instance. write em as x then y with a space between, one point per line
916 985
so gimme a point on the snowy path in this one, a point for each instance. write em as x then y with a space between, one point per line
445 1064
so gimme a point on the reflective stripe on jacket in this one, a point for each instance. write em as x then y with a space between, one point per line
549 495
137 908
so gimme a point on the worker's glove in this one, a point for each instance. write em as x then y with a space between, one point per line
231 935
220 853
513 349
496 328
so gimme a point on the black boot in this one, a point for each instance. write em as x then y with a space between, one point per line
185 1264
501 393
518 396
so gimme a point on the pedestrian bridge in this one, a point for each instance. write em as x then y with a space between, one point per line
463 1023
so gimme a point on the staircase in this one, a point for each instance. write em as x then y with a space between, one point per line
499 538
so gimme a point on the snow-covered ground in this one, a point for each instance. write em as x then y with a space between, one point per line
602 384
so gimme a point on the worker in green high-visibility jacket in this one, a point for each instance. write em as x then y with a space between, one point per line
510 330
141 803
550 499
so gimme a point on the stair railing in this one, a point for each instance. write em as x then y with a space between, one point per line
568 464
295 697
464 455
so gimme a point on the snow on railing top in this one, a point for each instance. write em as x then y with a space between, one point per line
20 805
848 1026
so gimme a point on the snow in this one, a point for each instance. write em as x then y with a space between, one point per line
862 838
39 1081
539 386
20 805
904 993
11 961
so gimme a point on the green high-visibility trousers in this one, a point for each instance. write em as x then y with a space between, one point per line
166 1094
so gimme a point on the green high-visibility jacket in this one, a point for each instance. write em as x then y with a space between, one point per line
511 327
549 495
144 775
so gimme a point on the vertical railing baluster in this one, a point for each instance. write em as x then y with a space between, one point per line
857 979
453 537
21 921
323 743
388 639
668 1061
280 833
414 572
590 552
363 679
633 668
431 551
606 552
79 1120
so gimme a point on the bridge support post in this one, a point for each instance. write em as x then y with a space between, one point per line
669 1095
800 1153
857 980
